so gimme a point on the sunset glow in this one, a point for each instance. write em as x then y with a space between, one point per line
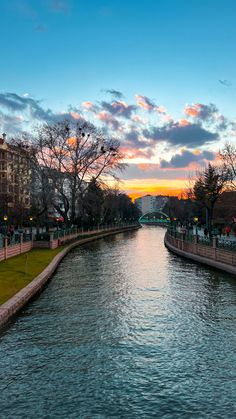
171 112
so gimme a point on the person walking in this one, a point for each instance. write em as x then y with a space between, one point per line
228 230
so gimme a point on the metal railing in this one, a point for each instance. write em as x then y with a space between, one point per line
226 244
76 232
219 243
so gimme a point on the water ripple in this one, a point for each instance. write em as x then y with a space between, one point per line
125 329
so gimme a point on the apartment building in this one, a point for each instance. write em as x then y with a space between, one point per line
14 177
151 203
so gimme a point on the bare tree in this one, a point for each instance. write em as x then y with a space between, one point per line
208 186
71 154
228 157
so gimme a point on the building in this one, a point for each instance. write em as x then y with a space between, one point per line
14 178
161 200
149 203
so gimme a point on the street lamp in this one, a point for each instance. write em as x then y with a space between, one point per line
5 218
196 221
31 226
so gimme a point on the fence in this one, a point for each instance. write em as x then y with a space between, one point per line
15 246
23 243
60 237
219 250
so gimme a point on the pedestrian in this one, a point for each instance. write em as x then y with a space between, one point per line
228 230
11 231
205 232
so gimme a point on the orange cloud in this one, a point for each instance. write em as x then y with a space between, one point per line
144 102
183 122
145 166
87 105
193 110
76 115
132 153
117 103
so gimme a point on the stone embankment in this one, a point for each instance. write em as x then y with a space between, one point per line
12 307
206 254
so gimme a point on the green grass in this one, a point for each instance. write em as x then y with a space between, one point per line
17 272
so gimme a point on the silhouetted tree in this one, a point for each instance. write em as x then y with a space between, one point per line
228 157
70 155
210 183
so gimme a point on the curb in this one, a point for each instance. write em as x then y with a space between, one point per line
200 259
9 309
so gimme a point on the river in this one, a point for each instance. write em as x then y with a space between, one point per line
125 329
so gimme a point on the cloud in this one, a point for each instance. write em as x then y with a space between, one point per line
192 135
14 102
132 153
183 122
152 170
145 103
132 139
115 93
76 115
225 83
149 105
160 109
10 124
138 119
87 105
31 110
108 119
90 107
186 158
118 108
201 111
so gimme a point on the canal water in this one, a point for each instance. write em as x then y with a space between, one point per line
124 330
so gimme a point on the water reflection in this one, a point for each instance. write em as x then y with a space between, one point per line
125 329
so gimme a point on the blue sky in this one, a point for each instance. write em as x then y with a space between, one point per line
174 52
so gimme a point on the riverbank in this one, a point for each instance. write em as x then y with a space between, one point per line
224 260
19 271
12 306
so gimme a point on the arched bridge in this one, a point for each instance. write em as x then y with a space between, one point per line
155 218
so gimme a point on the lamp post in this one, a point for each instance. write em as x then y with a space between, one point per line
31 226
5 219
196 221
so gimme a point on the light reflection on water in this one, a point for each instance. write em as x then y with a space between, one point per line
125 329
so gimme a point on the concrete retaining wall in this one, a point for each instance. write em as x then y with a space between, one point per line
9 309
217 258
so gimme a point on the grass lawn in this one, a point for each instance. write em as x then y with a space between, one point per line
17 272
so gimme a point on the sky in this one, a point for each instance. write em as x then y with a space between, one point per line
159 75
